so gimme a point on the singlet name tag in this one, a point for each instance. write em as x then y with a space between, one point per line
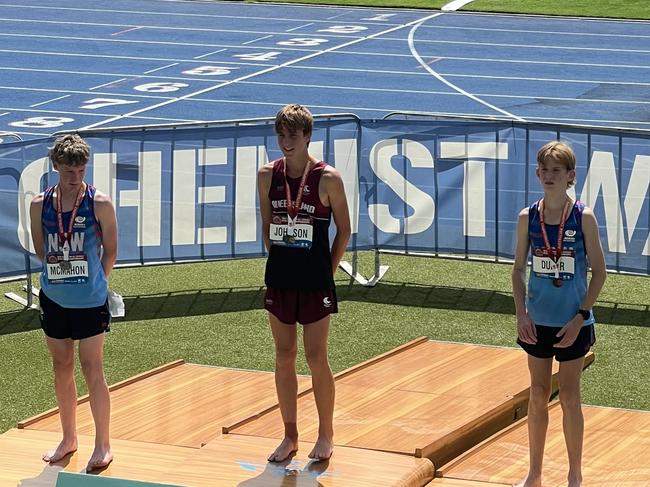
73 271
299 235
545 267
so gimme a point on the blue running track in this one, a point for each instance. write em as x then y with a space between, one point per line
69 65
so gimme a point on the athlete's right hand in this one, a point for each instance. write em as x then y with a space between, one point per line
526 329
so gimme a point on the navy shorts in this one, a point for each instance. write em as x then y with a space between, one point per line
75 323
546 339
291 306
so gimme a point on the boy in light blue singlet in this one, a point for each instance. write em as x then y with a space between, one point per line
554 318
74 231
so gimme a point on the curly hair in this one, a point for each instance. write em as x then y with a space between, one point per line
70 150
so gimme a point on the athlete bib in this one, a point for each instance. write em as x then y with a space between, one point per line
547 268
286 233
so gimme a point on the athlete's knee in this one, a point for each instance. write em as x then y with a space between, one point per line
63 363
570 398
286 356
540 393
93 369
317 359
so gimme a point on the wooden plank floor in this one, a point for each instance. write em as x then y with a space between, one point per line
231 460
616 449
433 399
234 460
186 405
463 483
21 464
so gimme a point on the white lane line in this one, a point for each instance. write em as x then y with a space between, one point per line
426 27
447 93
354 53
5 113
535 46
458 75
209 54
81 92
354 70
160 68
96 115
355 109
255 40
300 27
417 56
424 41
126 30
337 16
177 14
111 75
551 33
264 71
149 42
107 84
48 101
351 88
455 5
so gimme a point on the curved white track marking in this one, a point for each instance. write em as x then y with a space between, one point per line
417 56
455 5
257 73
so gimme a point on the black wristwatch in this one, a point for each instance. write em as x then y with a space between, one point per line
585 313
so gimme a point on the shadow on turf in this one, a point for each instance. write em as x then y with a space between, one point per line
213 301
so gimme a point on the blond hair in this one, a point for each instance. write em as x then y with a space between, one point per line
70 150
559 152
294 118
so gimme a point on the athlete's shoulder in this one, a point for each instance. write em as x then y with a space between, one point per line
102 198
581 207
330 172
267 168
38 199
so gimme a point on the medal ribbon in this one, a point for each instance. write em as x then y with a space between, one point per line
63 235
555 256
294 206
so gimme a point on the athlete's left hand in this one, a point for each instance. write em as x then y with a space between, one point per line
569 332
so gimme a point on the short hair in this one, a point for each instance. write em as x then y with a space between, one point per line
294 118
560 152
70 150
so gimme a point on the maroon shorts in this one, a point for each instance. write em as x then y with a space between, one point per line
290 306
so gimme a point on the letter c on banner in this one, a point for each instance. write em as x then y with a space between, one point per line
28 187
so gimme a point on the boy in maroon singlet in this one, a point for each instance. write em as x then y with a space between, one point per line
298 197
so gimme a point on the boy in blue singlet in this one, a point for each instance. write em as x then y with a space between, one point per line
555 318
74 231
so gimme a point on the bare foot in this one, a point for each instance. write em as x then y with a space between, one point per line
64 449
288 447
322 450
100 458
530 481
575 482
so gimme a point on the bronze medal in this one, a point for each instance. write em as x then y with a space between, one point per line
557 282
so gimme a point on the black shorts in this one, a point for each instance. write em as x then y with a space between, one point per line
546 338
291 306
75 323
